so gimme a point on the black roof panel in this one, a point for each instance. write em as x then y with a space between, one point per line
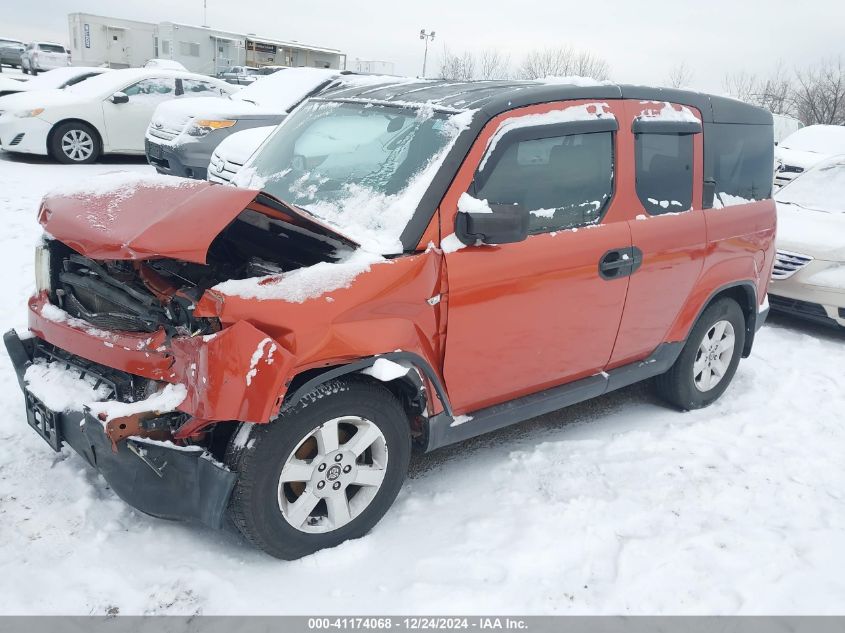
495 97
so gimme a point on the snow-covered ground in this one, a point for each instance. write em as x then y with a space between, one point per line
619 505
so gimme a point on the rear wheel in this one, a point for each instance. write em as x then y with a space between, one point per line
75 143
324 472
708 362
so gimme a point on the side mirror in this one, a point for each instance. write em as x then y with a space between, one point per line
709 193
508 223
119 97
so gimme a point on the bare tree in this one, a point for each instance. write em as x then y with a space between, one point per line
776 93
563 61
680 76
457 67
493 64
819 94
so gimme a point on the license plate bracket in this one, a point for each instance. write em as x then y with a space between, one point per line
154 150
44 421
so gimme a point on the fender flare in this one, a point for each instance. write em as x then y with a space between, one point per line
415 360
751 315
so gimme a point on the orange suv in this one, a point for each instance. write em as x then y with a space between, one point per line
400 267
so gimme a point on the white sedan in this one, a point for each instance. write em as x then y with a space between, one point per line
105 114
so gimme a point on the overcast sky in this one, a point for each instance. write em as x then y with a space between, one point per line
641 40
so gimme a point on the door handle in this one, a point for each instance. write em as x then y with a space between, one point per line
620 262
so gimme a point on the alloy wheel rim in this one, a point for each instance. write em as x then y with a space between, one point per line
714 356
332 475
77 145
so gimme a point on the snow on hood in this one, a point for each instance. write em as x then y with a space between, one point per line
39 99
285 88
241 145
813 233
302 284
821 139
176 113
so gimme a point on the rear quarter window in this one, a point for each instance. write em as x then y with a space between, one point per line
741 159
664 172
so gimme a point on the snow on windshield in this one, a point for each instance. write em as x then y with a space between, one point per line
822 139
362 168
285 88
822 188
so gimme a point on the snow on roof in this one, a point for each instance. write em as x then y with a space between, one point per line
116 79
573 80
667 112
285 88
822 139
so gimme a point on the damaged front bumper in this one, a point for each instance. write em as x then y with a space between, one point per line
159 479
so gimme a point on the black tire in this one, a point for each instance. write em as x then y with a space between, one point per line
58 133
258 453
25 70
677 386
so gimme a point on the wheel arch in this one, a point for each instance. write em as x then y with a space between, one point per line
745 294
51 134
409 389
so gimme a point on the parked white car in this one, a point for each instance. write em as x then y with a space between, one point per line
55 79
808 279
231 154
40 56
164 64
806 148
108 113
784 125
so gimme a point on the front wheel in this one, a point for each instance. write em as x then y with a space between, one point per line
324 472
75 143
708 362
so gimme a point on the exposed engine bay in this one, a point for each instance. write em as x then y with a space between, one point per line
146 295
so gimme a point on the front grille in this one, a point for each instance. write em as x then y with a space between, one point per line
788 263
222 171
17 139
165 132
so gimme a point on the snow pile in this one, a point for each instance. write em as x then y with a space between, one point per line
164 401
385 370
57 315
303 284
62 389
451 243
238 147
668 113
665 204
584 112
468 204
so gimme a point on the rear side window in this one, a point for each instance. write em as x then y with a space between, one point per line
741 158
664 172
199 88
563 181
52 48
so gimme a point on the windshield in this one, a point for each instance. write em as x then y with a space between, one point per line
820 189
361 168
822 139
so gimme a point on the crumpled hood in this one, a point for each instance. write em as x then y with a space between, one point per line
142 216
813 233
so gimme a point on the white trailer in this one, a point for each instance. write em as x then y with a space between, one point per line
97 40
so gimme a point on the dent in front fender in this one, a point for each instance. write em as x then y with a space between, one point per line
236 374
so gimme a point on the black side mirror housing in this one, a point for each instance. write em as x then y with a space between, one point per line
709 193
508 223
119 97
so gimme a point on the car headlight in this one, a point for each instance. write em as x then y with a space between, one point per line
42 268
23 114
201 127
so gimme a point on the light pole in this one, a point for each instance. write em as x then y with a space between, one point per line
425 36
